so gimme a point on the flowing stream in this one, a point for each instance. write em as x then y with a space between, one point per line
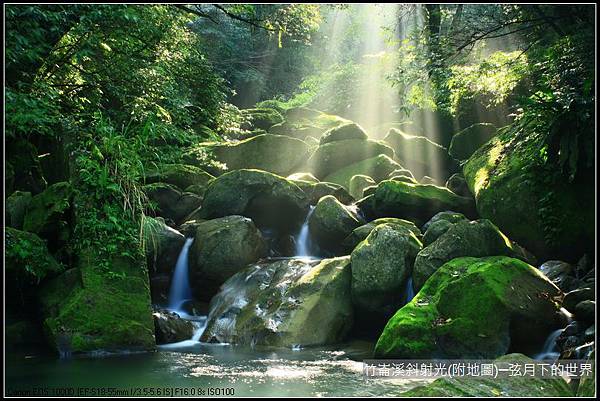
180 291
303 242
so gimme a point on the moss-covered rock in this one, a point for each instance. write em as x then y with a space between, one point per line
343 132
464 143
361 233
172 203
86 309
162 245
464 238
180 175
378 168
48 214
277 154
308 177
473 308
262 118
530 200
221 248
268 199
477 387
439 224
331 222
317 190
358 183
416 202
419 154
381 265
16 206
457 184
284 303
302 122
333 156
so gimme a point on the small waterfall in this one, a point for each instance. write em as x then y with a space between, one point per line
410 291
180 284
550 350
303 243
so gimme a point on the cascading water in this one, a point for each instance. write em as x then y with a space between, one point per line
303 245
550 349
180 284
410 291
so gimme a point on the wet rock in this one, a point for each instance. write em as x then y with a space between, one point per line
170 327
188 228
361 233
358 183
585 310
171 202
162 245
561 274
331 222
315 191
284 303
221 248
473 308
381 265
572 298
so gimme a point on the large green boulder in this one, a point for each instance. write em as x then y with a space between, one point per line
170 202
331 222
221 248
333 156
284 303
419 154
162 245
359 234
15 207
342 132
439 224
358 183
316 190
381 265
464 143
262 118
518 386
378 168
180 175
268 199
87 310
465 238
416 202
47 215
530 200
277 154
473 308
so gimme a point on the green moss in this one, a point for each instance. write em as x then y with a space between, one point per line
358 183
343 132
46 214
263 118
378 168
469 308
333 156
361 233
467 141
180 175
331 222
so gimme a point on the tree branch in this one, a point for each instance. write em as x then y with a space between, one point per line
242 19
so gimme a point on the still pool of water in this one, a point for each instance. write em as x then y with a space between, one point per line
249 372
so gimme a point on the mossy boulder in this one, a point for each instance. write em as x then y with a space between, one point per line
262 118
302 122
317 190
416 202
530 200
221 248
479 387
359 234
465 238
180 175
87 310
16 206
277 154
378 168
331 222
172 203
358 183
284 303
308 177
269 200
48 214
457 184
420 154
162 245
439 224
343 132
381 265
464 143
331 157
475 308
